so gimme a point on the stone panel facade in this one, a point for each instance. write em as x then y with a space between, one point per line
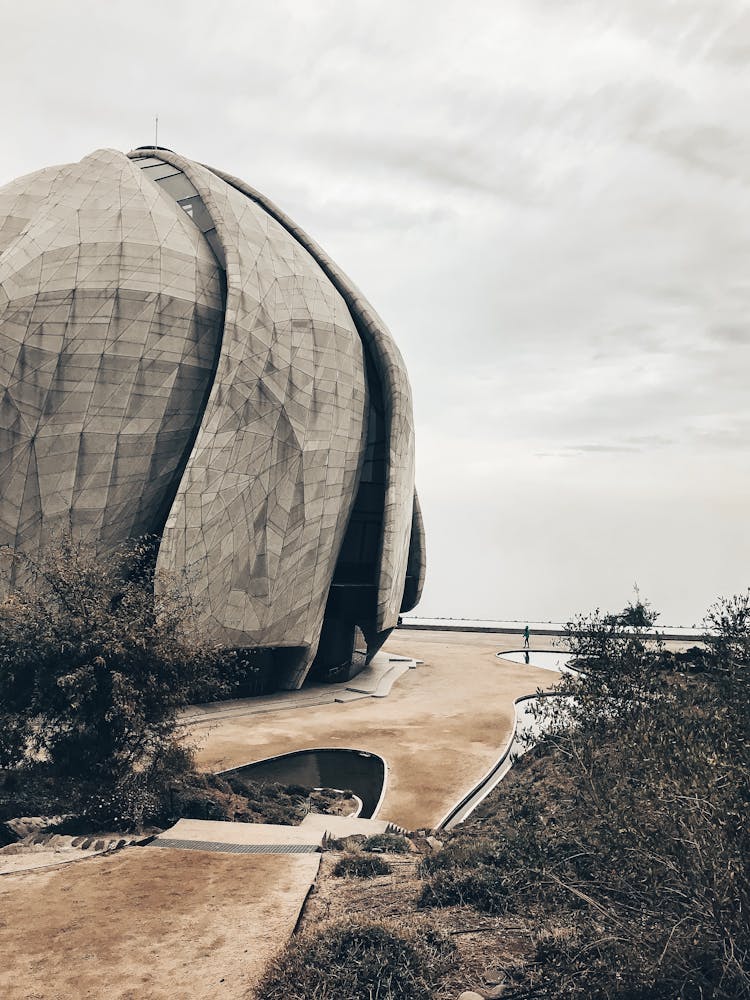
178 358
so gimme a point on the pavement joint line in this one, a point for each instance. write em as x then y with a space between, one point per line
339 693
211 845
256 710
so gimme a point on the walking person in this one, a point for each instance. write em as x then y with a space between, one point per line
526 637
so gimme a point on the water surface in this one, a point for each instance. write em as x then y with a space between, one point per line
351 770
547 659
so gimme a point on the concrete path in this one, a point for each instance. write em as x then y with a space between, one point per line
240 838
440 729
375 681
266 838
201 916
39 849
149 923
31 860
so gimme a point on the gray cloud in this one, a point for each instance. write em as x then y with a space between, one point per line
549 205
731 335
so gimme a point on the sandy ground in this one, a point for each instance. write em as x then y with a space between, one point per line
156 923
148 923
487 947
29 860
440 729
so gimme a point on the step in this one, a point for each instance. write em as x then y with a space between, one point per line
263 838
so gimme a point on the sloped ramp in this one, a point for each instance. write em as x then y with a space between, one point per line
213 845
239 838
143 922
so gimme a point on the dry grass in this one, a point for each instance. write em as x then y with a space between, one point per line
488 950
358 960
361 865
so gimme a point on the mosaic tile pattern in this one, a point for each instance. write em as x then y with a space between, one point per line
177 357
263 505
416 566
397 520
111 309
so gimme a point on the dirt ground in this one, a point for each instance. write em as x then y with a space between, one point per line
488 948
440 729
148 923
155 923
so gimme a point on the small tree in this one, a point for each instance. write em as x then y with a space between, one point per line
628 825
727 634
636 613
93 668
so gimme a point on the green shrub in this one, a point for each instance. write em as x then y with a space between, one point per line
94 670
362 866
627 825
391 843
360 961
194 795
635 614
466 849
33 791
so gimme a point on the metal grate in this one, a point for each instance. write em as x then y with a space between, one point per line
211 845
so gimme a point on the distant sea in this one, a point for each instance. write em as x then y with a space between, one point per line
534 626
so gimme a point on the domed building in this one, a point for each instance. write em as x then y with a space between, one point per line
179 359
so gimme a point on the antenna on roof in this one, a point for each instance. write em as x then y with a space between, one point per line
156 132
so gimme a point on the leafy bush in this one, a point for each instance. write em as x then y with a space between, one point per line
628 822
362 866
460 852
636 614
391 843
189 794
94 669
360 961
468 871
727 636
232 797
33 792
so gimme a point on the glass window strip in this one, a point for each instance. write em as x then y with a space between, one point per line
159 170
177 186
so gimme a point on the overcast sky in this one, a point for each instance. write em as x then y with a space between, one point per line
549 204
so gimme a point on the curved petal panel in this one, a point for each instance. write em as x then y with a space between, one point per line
263 506
110 311
391 370
417 563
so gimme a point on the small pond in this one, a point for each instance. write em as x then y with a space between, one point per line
547 659
354 770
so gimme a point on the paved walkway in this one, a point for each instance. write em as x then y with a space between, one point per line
375 681
149 923
202 915
440 729
265 838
